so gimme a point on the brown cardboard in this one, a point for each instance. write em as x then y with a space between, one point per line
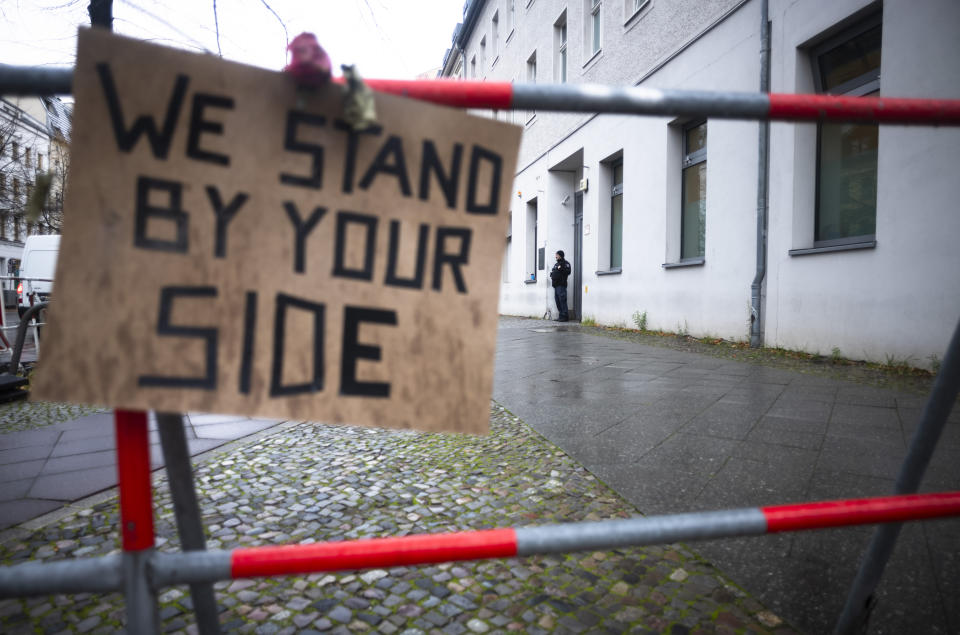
106 343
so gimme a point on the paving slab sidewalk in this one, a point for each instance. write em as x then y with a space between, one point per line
673 431
45 467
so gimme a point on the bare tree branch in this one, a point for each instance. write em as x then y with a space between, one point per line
286 35
216 24
186 36
22 150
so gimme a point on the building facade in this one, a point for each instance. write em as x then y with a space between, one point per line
659 215
34 138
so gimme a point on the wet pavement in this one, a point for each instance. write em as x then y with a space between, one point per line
626 428
672 431
52 463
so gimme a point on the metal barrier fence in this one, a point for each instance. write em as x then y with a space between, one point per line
35 324
25 323
166 569
139 572
596 98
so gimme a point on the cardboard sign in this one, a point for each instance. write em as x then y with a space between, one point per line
231 245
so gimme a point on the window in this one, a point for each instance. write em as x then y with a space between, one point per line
595 23
632 7
483 54
846 208
531 255
693 197
531 78
26 157
473 67
3 183
15 151
510 17
560 41
16 227
16 190
39 162
495 36
616 217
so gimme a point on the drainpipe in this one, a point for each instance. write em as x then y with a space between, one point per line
763 182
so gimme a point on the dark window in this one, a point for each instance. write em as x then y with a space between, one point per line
693 220
616 217
848 64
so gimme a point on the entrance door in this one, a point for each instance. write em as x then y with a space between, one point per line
576 299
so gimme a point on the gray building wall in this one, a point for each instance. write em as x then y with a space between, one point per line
632 44
899 299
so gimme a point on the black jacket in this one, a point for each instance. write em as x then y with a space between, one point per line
559 273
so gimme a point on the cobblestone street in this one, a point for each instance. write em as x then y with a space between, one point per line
312 482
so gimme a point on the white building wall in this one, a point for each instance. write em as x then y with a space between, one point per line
706 299
899 300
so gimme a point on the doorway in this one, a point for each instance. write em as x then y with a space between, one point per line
577 299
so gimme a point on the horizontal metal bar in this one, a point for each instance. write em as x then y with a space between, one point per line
35 80
861 511
189 567
449 92
377 552
528 541
642 100
165 569
595 98
639 100
894 110
612 534
94 575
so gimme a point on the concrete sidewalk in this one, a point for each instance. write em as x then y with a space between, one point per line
45 469
673 431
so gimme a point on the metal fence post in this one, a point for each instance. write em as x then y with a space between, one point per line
22 334
136 519
856 611
187 512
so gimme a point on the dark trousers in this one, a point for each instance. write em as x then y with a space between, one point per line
560 295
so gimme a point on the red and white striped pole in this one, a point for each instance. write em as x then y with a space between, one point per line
595 98
133 471
136 519
641 100
102 574
528 541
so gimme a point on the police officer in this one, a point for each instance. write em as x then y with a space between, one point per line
558 276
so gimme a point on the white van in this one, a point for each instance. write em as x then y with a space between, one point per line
39 261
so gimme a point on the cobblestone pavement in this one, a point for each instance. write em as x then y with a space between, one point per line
18 416
313 482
